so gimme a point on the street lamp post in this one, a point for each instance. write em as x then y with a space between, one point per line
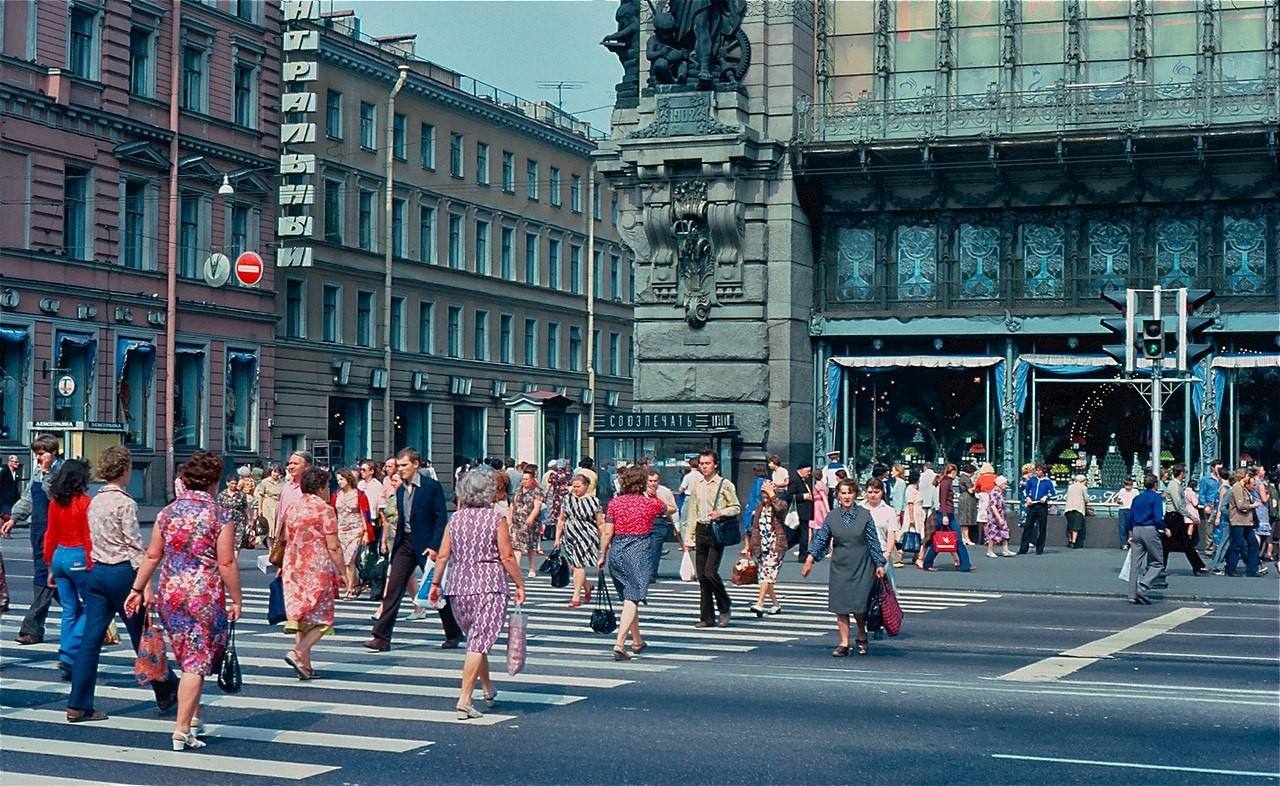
591 307
387 237
171 278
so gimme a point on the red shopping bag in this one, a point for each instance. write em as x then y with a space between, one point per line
152 664
944 541
890 609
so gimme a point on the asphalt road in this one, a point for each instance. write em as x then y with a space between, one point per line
981 687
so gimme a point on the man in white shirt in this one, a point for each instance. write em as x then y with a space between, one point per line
829 478
928 491
662 524
778 473
710 497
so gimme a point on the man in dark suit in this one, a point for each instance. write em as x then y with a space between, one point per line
420 526
10 485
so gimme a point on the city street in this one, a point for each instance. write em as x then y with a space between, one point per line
983 686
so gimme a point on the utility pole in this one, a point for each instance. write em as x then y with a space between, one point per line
1157 393
590 213
387 238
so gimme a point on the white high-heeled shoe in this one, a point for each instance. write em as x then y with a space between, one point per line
197 727
188 740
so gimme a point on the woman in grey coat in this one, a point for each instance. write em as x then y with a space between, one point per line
857 563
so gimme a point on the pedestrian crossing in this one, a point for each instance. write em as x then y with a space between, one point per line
399 703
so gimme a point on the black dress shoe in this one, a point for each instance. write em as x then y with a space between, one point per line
26 638
64 671
168 701
450 644
378 645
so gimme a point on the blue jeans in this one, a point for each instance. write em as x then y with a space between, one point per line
1124 526
105 589
1244 545
661 527
961 551
68 570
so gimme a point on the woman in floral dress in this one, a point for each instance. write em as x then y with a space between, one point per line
526 506
578 534
313 560
193 538
352 507
997 527
237 505
558 484
767 544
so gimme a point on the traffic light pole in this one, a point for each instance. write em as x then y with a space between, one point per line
1157 398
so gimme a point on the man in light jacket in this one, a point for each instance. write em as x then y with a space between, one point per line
710 498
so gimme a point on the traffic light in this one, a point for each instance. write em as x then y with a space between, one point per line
1193 344
1152 341
1121 329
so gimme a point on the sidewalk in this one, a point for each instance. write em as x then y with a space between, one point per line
1059 571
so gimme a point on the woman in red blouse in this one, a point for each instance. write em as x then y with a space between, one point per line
67 552
626 545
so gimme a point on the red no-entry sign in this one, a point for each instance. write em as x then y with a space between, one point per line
249 268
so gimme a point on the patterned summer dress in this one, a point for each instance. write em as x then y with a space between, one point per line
351 521
997 528
524 537
581 543
192 599
476 583
237 504
310 581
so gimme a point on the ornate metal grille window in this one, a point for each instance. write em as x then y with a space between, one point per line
855 264
1177 252
979 261
1109 253
917 252
1043 258
1244 255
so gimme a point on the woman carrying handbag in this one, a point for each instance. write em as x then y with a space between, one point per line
767 544
857 563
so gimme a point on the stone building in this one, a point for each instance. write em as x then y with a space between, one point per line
492 228
119 124
885 227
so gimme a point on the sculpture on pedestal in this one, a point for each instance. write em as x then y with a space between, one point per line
625 43
698 43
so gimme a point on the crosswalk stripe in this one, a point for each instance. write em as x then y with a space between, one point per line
226 731
255 680
234 765
284 705
31 779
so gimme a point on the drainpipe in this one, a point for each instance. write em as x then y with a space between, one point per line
171 279
387 237
591 306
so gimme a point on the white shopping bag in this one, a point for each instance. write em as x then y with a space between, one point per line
1124 569
686 567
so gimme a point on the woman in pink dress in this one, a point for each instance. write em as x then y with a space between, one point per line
352 507
312 562
194 538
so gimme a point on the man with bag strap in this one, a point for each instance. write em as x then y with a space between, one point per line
710 497
800 493
422 519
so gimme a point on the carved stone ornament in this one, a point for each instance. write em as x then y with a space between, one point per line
683 114
695 264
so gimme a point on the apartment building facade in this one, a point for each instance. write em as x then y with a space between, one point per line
137 140
495 239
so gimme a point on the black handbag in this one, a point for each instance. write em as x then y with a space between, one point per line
229 677
603 619
559 570
726 530
875 614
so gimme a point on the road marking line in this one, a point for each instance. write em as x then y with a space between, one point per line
31 779
285 705
224 731
1077 658
48 746
1135 766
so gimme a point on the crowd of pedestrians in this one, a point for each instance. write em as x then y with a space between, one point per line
384 528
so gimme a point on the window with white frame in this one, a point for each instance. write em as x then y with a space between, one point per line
194 78
241 400
242 228
508 172
368 125
530 341
508 254
191 227
331 314
554 184
575 269
398 136
244 96
189 396
575 193
615 277
427 146
137 229
426 327
142 61
397 323
83 42
482 163
295 308
505 346
615 354
553 263
575 348
455 155
399 206
482 247
364 318
333 212
427 234
553 345
454 336
333 114
135 390
456 260
365 229
531 257
77 209
531 179
481 337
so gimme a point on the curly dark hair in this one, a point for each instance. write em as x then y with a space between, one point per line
314 481
349 475
633 480
69 482
113 462
202 471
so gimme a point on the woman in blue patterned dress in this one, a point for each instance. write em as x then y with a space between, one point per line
479 546
578 535
626 545
194 539
526 508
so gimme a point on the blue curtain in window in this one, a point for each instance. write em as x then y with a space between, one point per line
836 369
241 384
13 335
135 373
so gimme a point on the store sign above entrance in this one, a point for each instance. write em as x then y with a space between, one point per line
665 421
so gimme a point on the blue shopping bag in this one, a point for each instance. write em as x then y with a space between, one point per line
275 602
